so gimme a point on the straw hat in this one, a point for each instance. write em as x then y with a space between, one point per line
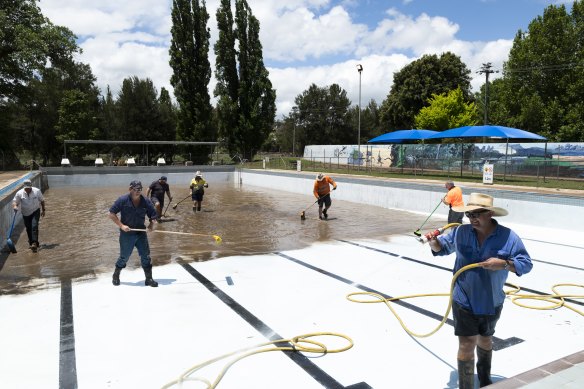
480 201
319 177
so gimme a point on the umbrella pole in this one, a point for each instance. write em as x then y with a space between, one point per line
544 160
505 169
461 156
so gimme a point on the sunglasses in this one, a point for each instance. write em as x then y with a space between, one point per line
137 190
475 214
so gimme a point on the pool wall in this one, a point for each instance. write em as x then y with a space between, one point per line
537 209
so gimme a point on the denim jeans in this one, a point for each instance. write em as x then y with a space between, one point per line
31 222
129 240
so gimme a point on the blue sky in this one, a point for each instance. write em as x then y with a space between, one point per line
305 41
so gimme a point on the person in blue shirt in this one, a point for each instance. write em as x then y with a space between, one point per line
478 295
133 209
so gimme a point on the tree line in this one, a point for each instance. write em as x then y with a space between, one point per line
46 96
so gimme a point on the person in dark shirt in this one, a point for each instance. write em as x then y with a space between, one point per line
133 209
156 193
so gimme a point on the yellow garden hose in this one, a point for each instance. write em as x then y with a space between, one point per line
380 299
302 343
556 300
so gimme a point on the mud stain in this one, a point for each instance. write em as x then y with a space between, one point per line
78 241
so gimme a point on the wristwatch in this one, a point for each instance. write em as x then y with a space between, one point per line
506 265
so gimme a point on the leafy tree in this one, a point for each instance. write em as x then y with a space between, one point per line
447 110
417 82
543 80
370 116
141 115
246 100
189 61
76 119
227 88
31 49
323 116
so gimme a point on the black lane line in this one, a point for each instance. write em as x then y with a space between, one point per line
301 360
450 270
498 343
557 264
67 362
367 289
554 243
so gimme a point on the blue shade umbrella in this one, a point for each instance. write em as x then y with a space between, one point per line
403 136
489 131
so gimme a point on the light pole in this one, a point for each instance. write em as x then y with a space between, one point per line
359 69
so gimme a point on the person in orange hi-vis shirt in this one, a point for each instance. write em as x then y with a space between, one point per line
322 192
453 199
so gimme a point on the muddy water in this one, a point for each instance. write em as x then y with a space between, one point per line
79 241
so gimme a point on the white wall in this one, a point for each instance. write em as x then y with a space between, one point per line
543 210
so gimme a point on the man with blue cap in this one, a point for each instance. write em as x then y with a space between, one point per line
133 209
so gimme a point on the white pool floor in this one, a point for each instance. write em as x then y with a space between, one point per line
90 334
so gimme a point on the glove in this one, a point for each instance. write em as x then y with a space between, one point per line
206 185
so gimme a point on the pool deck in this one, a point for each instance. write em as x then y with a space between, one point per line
90 334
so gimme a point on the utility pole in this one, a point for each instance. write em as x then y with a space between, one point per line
486 70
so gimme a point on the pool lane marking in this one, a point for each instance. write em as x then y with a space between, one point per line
450 270
67 360
498 343
300 359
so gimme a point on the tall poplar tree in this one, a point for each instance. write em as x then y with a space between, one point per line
189 60
246 100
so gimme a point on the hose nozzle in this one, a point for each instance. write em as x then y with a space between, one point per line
431 235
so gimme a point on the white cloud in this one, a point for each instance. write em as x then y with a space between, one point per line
128 38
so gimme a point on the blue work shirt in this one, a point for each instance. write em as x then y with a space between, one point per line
480 290
131 215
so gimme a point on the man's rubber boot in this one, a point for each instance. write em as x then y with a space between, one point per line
325 214
484 366
116 276
149 281
199 208
466 374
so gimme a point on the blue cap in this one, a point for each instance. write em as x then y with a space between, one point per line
163 178
136 184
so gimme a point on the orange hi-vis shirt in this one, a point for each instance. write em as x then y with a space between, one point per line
454 197
322 188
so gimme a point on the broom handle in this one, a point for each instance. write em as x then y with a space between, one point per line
169 232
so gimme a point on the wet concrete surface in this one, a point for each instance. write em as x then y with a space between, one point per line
78 241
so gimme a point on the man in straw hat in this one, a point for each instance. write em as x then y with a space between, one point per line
322 192
478 296
133 209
